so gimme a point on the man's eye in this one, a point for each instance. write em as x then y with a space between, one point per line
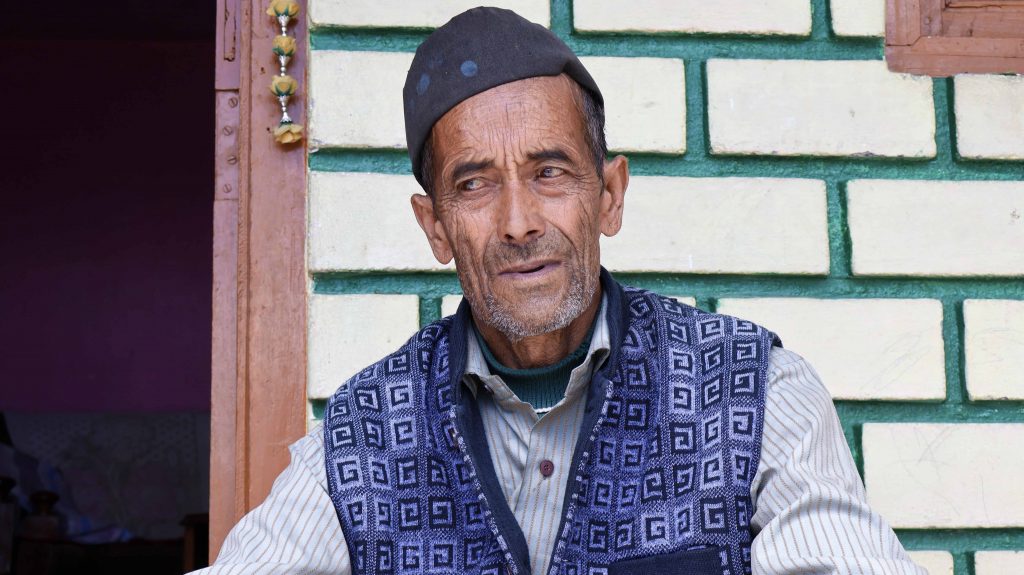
551 172
470 185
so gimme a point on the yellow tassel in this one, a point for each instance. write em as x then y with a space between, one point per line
288 133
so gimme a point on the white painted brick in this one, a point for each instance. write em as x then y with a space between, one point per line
990 116
994 347
349 332
721 225
449 304
645 102
858 17
934 562
398 13
356 100
932 228
863 349
999 562
818 108
945 475
364 221
789 17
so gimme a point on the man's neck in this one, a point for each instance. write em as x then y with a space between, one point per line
544 349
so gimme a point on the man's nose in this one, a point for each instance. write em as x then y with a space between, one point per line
520 217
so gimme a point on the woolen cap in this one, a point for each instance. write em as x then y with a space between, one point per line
476 51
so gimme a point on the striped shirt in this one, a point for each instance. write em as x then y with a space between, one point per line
811 513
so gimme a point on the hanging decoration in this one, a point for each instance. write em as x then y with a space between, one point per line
284 86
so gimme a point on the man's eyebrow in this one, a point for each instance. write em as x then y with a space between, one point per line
464 168
550 154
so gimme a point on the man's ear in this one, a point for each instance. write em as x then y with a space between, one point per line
423 207
616 179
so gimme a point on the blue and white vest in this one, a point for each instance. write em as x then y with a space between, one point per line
661 472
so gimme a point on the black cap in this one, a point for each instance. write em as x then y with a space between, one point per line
476 51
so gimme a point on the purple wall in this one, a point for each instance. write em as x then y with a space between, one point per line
105 231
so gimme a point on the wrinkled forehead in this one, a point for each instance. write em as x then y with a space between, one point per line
531 114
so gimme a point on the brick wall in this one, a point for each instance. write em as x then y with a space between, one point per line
781 173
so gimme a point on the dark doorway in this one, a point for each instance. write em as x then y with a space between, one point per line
105 273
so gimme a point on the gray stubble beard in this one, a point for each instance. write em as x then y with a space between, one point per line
501 318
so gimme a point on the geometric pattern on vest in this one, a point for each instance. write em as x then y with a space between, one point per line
677 447
406 496
667 466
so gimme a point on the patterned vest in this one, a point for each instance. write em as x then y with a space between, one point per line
661 474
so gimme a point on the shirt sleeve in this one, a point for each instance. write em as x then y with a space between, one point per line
295 530
811 513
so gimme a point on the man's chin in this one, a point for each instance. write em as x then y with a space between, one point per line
529 317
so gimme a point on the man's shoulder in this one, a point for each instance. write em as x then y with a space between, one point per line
710 322
415 356
309 449
791 377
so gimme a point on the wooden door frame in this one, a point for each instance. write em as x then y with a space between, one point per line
258 371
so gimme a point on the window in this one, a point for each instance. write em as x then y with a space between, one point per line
946 37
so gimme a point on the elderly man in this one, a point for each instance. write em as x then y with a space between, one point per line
559 422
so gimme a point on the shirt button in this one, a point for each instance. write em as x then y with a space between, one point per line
547 468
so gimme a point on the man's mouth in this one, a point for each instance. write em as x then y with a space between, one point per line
529 269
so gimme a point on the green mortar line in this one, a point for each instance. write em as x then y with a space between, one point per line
943 143
697 143
561 18
360 160
951 114
424 284
661 45
963 563
953 342
706 303
962 541
839 243
854 433
438 284
821 20
430 310
697 165
856 413
366 39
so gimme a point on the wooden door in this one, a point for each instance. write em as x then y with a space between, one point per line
259 276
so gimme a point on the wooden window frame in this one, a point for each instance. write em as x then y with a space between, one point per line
946 37
258 371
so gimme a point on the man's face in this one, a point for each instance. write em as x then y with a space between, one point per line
519 205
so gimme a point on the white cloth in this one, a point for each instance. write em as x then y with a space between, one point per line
811 514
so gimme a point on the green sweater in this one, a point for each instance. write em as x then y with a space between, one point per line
541 387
